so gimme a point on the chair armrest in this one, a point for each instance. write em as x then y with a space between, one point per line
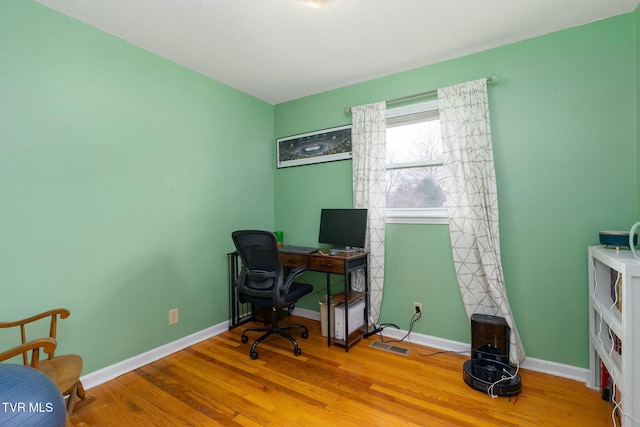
295 272
47 344
293 275
62 312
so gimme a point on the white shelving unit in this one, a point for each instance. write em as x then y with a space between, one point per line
607 318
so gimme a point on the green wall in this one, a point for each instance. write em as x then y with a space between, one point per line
122 176
563 123
120 182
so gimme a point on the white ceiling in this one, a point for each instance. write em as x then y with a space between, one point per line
279 50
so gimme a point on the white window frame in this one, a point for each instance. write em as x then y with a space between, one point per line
415 215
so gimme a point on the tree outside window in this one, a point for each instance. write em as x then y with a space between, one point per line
414 163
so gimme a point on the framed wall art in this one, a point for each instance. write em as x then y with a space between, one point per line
314 147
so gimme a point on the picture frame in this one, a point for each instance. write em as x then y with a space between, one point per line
325 145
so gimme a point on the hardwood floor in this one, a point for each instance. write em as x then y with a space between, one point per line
216 383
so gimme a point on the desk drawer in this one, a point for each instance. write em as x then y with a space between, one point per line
294 260
326 264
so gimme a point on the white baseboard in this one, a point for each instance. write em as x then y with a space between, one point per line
530 363
110 372
557 369
307 314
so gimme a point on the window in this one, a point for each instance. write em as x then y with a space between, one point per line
415 192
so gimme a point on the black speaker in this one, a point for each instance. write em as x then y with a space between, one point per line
490 338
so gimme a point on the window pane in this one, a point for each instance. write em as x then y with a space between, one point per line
414 142
415 188
415 192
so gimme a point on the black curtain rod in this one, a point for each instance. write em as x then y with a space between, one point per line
490 80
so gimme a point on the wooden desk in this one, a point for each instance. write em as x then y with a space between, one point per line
342 264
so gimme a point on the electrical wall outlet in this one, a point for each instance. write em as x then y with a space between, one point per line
173 316
417 307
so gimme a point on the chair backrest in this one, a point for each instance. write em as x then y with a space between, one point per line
53 315
262 272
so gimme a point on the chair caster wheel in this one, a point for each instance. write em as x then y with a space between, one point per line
254 355
297 352
244 339
305 335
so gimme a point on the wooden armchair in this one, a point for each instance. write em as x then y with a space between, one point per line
63 370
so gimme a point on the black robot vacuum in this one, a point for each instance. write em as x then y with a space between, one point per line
488 370
483 374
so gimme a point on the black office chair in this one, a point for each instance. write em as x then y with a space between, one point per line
262 282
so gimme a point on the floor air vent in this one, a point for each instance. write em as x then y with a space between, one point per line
390 348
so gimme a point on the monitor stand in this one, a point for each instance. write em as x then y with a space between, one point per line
347 250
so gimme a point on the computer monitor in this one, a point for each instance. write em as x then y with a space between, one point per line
343 229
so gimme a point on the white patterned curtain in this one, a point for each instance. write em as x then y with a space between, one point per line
368 140
472 201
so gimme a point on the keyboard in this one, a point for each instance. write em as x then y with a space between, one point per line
297 249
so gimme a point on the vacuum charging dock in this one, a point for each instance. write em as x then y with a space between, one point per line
489 364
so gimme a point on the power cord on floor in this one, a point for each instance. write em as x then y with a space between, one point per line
378 330
508 377
416 316
617 407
